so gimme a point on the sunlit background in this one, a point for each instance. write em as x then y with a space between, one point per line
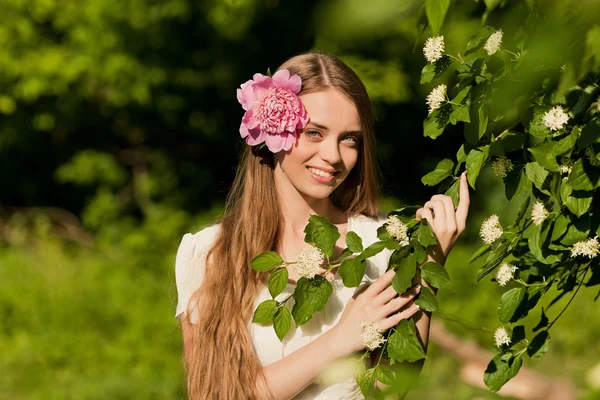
119 133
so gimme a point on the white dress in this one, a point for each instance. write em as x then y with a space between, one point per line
189 271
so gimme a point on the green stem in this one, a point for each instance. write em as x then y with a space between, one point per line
570 300
522 282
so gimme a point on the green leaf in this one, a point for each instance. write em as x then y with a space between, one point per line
565 146
441 172
405 271
509 302
434 70
372 250
310 295
508 142
475 161
354 242
352 271
536 125
453 192
583 176
403 344
366 382
536 174
539 345
544 322
384 374
436 122
480 252
425 235
479 121
494 259
479 38
427 300
265 311
435 274
282 321
278 281
516 183
544 155
578 202
521 213
536 241
322 234
266 261
589 134
436 12
461 113
499 371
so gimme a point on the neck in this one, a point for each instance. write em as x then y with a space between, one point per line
297 207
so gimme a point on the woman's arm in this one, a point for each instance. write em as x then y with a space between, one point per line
290 375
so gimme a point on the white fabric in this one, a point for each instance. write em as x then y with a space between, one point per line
189 271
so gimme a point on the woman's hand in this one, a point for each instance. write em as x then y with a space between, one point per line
447 225
377 303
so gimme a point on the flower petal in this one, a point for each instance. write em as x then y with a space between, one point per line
284 80
255 136
275 142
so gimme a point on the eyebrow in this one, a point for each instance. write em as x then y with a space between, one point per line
320 126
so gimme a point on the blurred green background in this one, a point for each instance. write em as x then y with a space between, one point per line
119 133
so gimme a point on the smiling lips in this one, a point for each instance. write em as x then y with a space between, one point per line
322 175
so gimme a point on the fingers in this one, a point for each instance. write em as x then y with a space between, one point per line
389 293
397 303
392 320
425 213
449 208
462 211
439 211
381 283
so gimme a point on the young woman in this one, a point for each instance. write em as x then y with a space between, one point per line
327 166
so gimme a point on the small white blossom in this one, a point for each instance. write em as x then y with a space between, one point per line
436 97
565 169
493 43
396 229
505 273
588 248
501 337
371 335
555 118
592 157
539 213
434 48
491 230
502 166
598 104
309 262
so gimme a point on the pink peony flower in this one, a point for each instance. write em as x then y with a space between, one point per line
273 110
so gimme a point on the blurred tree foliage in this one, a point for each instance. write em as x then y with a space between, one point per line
123 115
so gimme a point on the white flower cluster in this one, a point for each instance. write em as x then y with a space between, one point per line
501 337
309 262
505 273
493 43
588 248
539 213
491 230
502 166
434 48
555 118
396 229
565 169
371 335
436 97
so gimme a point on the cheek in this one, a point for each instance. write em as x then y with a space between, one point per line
350 157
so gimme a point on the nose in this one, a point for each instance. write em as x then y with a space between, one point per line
330 151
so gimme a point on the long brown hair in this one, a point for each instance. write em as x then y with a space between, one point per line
222 363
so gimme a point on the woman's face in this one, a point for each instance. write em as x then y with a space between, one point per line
326 150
